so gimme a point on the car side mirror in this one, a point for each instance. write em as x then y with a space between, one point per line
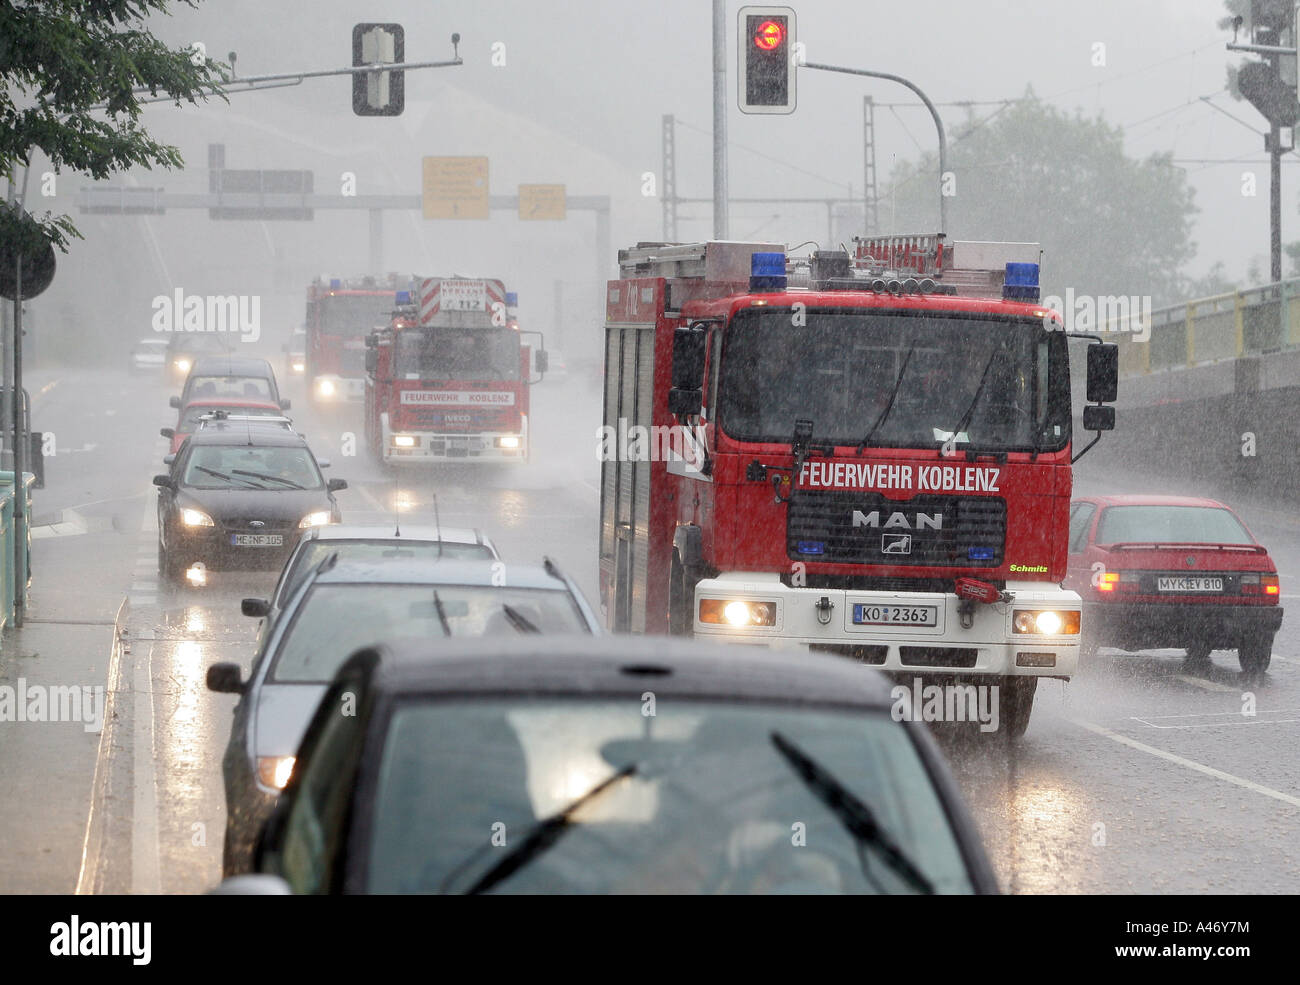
255 608
164 481
323 463
168 459
284 405
225 678
1098 418
1103 373
372 360
174 402
167 432
334 485
543 361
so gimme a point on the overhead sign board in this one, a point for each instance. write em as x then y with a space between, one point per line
455 187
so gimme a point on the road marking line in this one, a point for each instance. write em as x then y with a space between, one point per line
1191 764
145 869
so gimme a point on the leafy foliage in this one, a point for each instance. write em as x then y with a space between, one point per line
1108 224
69 68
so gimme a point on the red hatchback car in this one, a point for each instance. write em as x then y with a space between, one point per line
187 421
1172 571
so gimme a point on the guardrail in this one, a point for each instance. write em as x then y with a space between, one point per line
8 578
1256 321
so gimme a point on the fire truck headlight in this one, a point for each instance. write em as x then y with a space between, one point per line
737 612
325 388
508 441
183 365
1046 623
403 441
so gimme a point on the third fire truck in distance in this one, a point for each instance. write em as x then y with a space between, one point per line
341 312
867 454
448 379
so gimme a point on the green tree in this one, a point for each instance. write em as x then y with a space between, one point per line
60 61
1108 224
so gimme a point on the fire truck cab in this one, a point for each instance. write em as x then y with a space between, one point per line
867 454
340 312
448 379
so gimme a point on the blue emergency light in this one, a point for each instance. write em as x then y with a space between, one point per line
980 554
403 298
335 283
512 299
812 547
1021 283
767 272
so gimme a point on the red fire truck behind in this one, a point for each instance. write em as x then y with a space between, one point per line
340 313
868 455
449 378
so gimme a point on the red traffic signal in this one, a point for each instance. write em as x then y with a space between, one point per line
770 34
766 66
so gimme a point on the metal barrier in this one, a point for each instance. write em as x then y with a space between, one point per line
9 580
1256 321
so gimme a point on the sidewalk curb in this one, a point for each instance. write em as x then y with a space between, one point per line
93 842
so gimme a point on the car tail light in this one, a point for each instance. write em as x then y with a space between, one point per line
1260 585
1119 581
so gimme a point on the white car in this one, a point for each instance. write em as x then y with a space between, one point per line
148 356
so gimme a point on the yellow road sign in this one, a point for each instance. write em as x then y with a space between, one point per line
455 187
545 202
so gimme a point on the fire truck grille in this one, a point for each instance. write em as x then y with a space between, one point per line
851 527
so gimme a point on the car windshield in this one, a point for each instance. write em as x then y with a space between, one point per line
314 551
190 419
713 806
354 315
228 387
199 342
1170 525
333 621
459 354
249 466
911 378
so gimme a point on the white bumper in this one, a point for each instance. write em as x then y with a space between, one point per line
481 447
987 647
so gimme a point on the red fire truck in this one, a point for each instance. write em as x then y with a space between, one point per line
340 313
448 378
864 453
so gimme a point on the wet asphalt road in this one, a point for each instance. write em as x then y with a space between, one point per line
1137 777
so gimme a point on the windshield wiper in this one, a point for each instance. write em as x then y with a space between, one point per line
898 383
268 478
857 818
964 423
228 478
519 620
442 613
543 835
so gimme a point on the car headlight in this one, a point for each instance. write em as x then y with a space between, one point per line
317 519
196 518
404 440
325 388
1045 622
274 771
183 365
298 366
737 612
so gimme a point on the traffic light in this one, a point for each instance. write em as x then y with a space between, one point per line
1270 19
766 63
379 93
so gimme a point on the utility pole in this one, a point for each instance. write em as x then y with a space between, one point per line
719 119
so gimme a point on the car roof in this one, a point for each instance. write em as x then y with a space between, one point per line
152 341
445 571
1152 499
230 366
629 665
372 531
247 433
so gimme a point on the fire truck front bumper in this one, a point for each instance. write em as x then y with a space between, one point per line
415 448
1034 635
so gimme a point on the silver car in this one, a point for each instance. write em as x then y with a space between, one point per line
340 607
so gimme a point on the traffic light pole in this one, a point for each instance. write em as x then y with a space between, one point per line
720 119
938 124
1275 200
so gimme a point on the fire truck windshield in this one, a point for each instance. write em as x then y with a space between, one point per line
474 354
1003 385
354 315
